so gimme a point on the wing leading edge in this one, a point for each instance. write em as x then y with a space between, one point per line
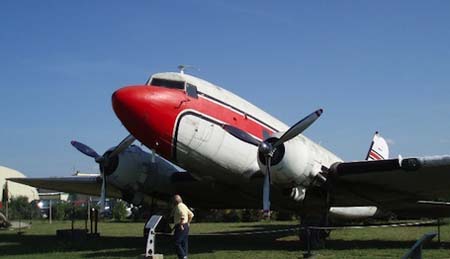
89 185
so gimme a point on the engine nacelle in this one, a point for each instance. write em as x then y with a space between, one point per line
139 173
298 162
291 163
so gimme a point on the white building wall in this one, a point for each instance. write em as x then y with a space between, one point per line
16 189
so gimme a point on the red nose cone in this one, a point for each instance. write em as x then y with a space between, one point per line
127 102
149 114
129 105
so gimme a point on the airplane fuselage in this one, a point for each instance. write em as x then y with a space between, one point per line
182 118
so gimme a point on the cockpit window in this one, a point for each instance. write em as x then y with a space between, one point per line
191 90
167 83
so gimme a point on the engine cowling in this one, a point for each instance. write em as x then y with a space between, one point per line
291 163
139 173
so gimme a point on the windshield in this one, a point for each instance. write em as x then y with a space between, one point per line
167 83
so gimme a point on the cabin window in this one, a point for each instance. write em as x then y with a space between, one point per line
191 90
168 83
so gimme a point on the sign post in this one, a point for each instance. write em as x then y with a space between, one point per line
151 226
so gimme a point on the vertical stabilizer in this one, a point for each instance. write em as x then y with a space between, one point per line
379 149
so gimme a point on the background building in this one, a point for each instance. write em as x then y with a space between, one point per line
15 189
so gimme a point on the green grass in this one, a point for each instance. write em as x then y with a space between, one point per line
124 240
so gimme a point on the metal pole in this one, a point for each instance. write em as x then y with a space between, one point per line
85 222
96 220
7 200
91 219
72 217
439 231
7 208
50 212
89 211
308 234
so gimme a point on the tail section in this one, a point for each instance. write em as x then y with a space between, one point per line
379 149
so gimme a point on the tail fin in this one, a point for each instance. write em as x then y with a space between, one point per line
379 149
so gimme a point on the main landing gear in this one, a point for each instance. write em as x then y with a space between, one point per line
316 206
310 234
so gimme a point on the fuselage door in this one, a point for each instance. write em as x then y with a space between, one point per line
193 131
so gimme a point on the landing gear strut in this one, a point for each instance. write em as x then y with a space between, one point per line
316 206
310 236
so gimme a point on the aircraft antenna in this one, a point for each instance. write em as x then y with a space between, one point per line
184 67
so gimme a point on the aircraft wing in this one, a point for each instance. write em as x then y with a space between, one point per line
393 182
90 185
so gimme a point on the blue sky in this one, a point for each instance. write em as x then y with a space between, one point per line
372 65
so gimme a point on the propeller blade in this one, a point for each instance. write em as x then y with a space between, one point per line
240 134
85 149
266 195
153 155
266 189
102 201
299 127
126 142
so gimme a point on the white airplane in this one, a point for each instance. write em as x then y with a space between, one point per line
220 151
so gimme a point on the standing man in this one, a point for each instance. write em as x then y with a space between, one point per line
182 217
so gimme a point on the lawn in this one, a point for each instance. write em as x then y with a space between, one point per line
124 240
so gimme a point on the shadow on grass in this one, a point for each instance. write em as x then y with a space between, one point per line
338 244
12 244
131 246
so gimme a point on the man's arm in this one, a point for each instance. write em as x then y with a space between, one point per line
190 216
181 220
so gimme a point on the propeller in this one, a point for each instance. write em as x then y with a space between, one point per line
107 162
267 149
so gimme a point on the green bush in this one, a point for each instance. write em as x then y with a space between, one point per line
285 215
20 208
232 216
119 211
59 210
251 215
208 215
80 212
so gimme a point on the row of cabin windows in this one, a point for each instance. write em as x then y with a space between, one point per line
191 90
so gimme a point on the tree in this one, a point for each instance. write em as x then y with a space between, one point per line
119 211
59 210
20 208
251 215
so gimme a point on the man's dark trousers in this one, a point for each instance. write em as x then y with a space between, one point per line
181 240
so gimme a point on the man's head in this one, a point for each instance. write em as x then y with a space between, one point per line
177 199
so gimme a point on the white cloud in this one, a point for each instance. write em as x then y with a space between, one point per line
390 141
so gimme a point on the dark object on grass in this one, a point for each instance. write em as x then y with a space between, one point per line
73 234
4 223
416 250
